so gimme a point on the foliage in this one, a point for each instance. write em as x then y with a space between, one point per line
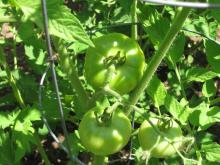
184 87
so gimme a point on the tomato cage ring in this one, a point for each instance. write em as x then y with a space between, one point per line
199 5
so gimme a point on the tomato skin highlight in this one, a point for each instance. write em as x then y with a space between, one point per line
151 141
105 140
127 75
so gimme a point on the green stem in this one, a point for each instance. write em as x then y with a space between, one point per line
41 149
69 68
11 80
160 54
134 19
99 160
107 90
180 81
4 19
14 52
215 101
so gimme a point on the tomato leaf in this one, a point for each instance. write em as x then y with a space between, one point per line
208 88
213 55
157 91
74 141
203 116
200 74
212 151
178 111
5 145
176 50
62 23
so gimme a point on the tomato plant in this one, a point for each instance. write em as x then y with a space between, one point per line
155 142
119 51
106 138
181 80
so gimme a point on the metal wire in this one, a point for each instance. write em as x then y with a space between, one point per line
72 158
199 5
49 51
202 35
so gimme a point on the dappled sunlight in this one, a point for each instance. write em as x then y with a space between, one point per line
115 43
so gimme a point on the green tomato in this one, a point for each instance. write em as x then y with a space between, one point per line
106 139
151 141
121 53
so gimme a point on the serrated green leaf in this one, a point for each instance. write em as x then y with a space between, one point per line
200 24
213 55
155 32
204 117
35 59
212 151
23 144
157 91
7 99
200 74
176 50
5 145
4 121
177 110
208 88
62 23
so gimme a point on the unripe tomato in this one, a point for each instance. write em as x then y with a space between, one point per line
153 142
105 139
119 51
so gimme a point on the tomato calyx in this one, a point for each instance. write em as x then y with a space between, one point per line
164 124
104 120
117 59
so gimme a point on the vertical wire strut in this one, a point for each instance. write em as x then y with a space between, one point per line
43 117
49 51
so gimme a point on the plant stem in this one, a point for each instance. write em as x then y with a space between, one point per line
99 160
69 68
180 81
11 80
160 54
134 19
41 149
14 51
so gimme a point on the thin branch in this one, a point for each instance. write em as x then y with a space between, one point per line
199 5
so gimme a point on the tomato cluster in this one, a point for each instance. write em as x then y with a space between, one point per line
118 62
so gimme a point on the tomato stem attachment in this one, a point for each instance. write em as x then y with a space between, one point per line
117 59
105 118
